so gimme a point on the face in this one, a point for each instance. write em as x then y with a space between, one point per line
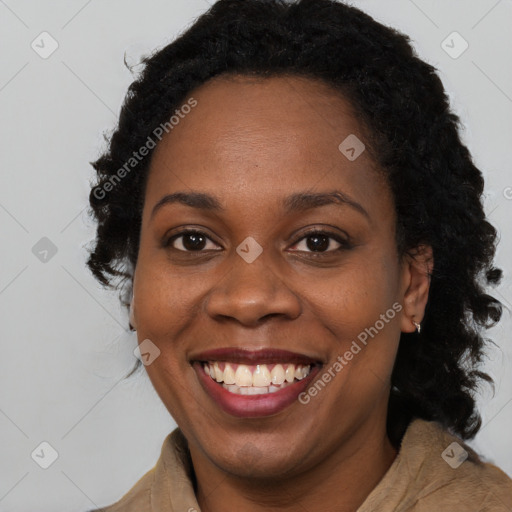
256 275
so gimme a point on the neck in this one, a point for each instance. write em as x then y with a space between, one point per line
340 482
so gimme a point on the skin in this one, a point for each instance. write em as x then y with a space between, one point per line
251 143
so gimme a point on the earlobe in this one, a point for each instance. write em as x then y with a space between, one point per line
418 269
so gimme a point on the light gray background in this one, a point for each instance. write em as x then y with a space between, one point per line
62 356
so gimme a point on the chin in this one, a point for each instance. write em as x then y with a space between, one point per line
250 462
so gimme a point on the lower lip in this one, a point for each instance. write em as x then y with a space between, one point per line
253 406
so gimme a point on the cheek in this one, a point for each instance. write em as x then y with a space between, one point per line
163 298
360 309
354 296
163 308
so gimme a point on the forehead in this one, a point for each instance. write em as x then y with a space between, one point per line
260 139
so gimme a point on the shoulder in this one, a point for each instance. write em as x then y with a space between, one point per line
149 487
456 474
435 470
137 499
167 486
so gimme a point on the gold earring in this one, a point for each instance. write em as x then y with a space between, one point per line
417 325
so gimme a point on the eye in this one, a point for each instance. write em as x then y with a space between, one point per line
190 241
319 241
315 241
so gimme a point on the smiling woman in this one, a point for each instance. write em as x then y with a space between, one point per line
304 255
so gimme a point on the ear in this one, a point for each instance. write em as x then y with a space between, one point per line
417 269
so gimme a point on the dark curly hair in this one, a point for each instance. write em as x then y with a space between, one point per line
412 135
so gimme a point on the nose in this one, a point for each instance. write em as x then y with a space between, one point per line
252 292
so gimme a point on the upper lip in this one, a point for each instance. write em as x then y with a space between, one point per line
260 356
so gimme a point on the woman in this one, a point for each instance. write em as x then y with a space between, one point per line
300 233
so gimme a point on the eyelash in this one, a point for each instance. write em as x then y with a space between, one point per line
344 244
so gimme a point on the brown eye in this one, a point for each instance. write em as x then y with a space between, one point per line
321 242
317 242
190 241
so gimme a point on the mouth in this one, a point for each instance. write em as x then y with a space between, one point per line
254 383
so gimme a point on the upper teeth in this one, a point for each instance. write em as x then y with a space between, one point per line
259 375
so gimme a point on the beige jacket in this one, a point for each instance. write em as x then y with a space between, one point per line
426 476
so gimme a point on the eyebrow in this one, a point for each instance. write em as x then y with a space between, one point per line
298 202
307 200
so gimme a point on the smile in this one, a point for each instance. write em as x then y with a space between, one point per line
254 383
256 379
